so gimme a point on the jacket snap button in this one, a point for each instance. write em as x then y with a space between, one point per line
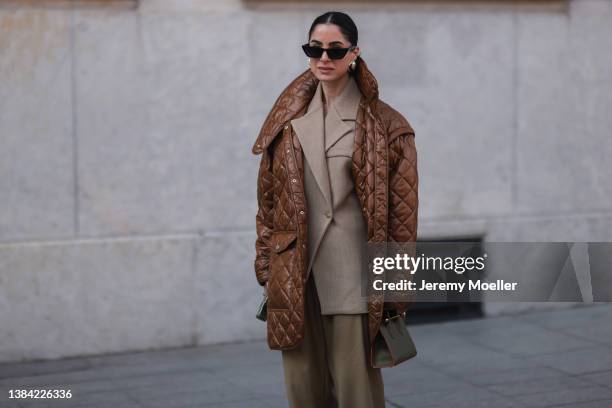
286 127
294 181
302 212
288 151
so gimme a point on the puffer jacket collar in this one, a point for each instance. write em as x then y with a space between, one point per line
296 96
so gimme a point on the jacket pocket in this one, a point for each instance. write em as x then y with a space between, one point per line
283 270
282 239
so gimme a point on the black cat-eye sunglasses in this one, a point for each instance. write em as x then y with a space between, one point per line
332 53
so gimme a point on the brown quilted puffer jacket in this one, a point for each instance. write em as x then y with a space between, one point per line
386 181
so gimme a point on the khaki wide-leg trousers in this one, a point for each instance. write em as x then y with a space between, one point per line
330 368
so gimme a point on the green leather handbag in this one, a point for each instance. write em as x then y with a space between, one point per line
262 310
393 343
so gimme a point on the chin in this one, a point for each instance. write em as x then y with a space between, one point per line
332 76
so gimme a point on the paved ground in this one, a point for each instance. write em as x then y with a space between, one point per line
544 359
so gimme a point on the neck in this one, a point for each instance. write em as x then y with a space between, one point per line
331 89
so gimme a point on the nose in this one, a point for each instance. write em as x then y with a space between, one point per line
324 56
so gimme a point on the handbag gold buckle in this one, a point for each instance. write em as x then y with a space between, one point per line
402 315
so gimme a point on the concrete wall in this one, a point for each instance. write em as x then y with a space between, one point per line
128 186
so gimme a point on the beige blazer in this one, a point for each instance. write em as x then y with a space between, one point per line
337 232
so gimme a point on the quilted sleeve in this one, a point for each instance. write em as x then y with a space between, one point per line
403 198
264 217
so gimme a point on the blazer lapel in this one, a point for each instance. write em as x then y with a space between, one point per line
340 118
335 128
309 129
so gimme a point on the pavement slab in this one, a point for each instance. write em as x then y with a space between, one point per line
560 358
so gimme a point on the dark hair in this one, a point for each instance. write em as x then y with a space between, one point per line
343 21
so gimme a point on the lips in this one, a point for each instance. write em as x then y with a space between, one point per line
326 69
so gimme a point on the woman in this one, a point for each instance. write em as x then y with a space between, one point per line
338 170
